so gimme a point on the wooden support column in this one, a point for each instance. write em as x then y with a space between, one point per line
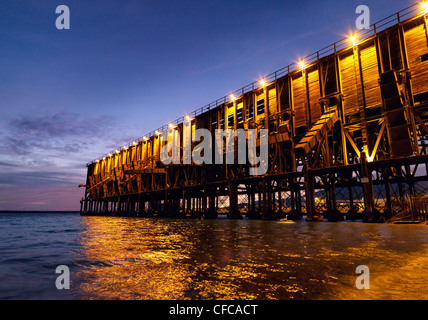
268 211
311 213
388 192
367 182
211 211
351 200
233 202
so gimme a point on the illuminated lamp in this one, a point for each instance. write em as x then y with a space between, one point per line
353 40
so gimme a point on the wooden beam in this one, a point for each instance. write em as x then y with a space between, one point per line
351 141
379 137
421 123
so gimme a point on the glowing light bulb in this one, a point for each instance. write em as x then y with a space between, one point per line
145 138
232 97
353 40
302 65
263 83
171 126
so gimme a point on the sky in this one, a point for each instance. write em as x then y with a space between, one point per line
125 68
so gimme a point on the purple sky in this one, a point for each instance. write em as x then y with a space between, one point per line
128 67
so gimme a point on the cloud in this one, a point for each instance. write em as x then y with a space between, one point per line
7 164
60 133
41 198
43 157
35 178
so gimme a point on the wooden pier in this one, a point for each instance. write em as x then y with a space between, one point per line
348 128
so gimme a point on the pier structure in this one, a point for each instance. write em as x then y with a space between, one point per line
347 125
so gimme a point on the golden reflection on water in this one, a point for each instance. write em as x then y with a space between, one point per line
126 258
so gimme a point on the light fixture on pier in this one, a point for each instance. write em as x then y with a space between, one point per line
157 133
171 126
232 97
117 151
145 138
424 7
97 161
188 118
353 40
134 143
104 158
109 154
125 148
302 65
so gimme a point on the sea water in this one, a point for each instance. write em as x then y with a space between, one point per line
149 258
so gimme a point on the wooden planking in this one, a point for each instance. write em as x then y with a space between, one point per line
116 160
97 168
272 101
109 164
395 51
124 156
230 112
369 67
260 95
299 100
416 45
156 146
138 151
349 83
314 95
149 150
144 153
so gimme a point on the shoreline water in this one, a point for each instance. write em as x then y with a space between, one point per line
220 217
165 258
37 211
